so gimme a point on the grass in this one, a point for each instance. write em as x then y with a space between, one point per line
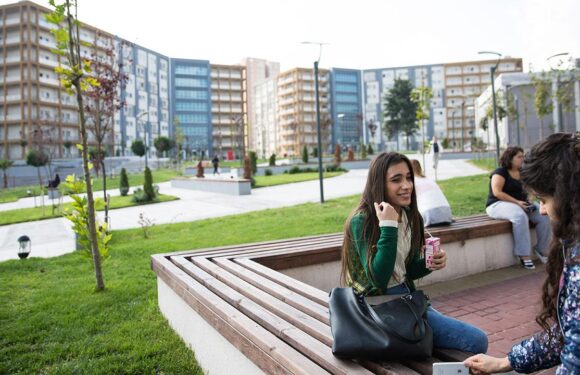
280 179
466 195
485 163
53 322
135 179
23 215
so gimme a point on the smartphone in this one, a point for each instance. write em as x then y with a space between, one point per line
450 368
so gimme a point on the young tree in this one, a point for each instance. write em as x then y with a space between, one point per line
422 96
37 158
5 165
148 185
350 156
162 144
124 182
138 147
399 111
253 161
75 79
272 161
337 154
370 150
542 102
305 155
363 151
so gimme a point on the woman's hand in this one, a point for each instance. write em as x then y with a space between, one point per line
386 212
484 364
523 204
439 260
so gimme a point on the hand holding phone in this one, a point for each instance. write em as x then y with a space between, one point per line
450 368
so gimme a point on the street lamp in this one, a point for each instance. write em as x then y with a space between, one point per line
559 105
318 117
146 127
492 72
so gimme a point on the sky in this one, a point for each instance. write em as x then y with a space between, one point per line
363 34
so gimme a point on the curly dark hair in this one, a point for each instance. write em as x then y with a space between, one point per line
552 169
375 191
507 156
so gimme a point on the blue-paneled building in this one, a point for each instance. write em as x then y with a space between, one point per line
348 128
191 104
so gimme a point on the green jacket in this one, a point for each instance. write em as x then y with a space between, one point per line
383 262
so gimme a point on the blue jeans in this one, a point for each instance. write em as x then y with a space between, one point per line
450 333
520 220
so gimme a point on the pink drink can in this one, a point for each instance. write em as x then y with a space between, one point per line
432 246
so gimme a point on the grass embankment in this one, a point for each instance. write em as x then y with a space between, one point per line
488 164
281 179
135 179
23 215
53 322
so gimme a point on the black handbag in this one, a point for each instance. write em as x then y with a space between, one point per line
391 330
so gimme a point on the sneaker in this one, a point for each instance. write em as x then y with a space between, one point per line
528 264
541 257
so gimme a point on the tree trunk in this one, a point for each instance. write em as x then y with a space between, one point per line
397 137
541 127
5 179
105 193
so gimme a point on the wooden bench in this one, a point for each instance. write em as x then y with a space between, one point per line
242 310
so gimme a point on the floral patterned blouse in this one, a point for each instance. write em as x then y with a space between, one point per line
539 352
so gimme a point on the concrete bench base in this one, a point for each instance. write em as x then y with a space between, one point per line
214 185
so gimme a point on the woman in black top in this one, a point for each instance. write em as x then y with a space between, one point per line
508 200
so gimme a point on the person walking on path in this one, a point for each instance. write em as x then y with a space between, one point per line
435 148
507 200
216 164
382 248
552 172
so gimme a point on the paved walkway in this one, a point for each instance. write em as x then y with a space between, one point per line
54 237
503 303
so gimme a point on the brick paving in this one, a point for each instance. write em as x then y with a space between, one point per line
505 310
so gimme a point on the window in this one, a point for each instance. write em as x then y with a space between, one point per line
191 82
344 77
191 94
192 118
190 106
191 70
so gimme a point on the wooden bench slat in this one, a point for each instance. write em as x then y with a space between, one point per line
297 286
265 349
262 317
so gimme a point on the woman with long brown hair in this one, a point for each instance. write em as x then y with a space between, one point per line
551 171
381 252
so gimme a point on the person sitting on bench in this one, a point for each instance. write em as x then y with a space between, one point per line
54 183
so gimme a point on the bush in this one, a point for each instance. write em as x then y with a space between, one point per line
268 172
294 170
272 161
124 182
148 185
350 156
335 168
337 154
363 151
139 196
253 162
370 150
315 152
305 155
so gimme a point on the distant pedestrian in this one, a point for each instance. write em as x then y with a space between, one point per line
435 149
216 164
54 183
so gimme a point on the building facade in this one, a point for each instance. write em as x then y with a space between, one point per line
259 71
229 116
297 111
191 115
348 127
265 137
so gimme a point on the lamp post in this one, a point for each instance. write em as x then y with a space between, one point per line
492 72
318 117
559 125
146 130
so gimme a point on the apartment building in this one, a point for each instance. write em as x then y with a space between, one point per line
464 82
297 111
348 128
454 86
265 136
229 110
259 71
191 115
35 108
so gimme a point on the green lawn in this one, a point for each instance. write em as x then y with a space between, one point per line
280 179
53 322
135 179
37 213
485 163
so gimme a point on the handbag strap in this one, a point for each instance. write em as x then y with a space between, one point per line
388 329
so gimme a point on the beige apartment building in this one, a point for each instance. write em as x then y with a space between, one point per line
297 111
464 82
229 110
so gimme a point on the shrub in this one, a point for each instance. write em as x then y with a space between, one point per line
247 168
268 172
305 155
337 154
139 196
294 170
334 168
363 151
272 161
253 161
350 156
124 182
148 185
315 152
370 150
199 170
